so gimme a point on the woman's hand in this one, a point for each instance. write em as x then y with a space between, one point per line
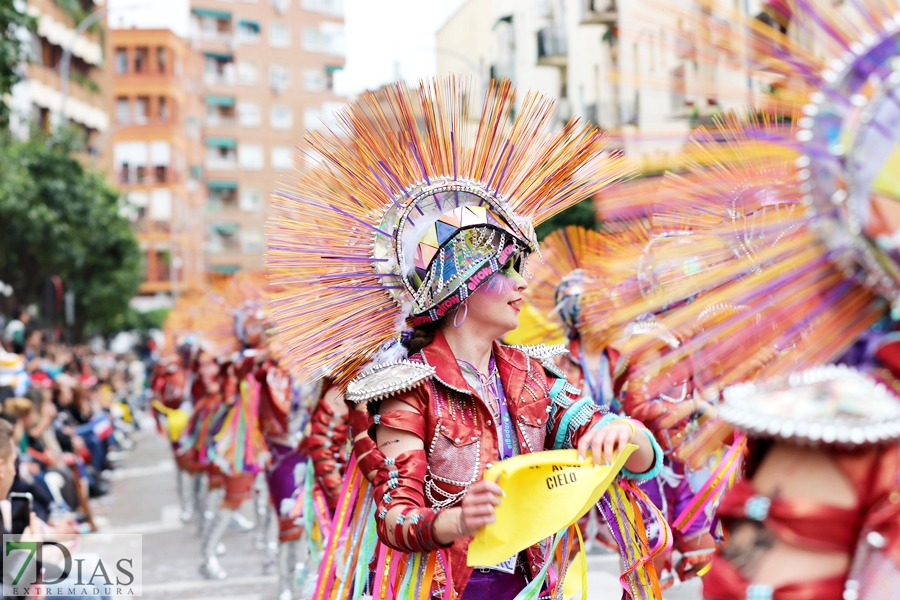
605 442
478 507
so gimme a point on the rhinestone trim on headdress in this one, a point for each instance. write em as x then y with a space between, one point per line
832 404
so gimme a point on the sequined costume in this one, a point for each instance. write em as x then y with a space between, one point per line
411 211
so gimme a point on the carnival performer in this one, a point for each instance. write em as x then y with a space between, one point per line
440 217
783 236
819 513
572 261
304 427
172 382
236 335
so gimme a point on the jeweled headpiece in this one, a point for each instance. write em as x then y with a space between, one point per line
417 197
559 281
220 328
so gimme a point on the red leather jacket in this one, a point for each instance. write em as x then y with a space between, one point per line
461 440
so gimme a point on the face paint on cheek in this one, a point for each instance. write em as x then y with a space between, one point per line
498 284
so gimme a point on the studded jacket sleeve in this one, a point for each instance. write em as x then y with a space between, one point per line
403 518
571 416
327 436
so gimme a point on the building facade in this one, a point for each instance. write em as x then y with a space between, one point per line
157 153
42 97
630 67
267 76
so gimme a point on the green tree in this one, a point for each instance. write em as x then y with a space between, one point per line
581 214
13 50
60 218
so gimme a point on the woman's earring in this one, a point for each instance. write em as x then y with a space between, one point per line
456 314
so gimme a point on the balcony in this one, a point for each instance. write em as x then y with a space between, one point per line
221 164
552 47
599 12
226 77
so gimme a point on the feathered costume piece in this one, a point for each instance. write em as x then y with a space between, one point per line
184 317
359 238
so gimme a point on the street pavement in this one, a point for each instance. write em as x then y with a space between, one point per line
144 500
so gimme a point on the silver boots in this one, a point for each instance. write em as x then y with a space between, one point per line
211 569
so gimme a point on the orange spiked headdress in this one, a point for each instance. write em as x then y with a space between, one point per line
412 206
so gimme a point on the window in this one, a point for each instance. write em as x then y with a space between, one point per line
281 6
250 156
313 80
312 40
140 109
281 158
247 72
328 38
330 7
123 110
160 158
248 114
121 61
278 78
248 32
140 60
279 35
251 200
332 38
311 118
163 109
161 59
281 117
161 205
252 241
130 159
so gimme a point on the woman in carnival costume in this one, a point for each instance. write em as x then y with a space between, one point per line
172 383
236 447
304 425
429 225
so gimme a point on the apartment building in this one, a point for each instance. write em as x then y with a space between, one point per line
631 67
41 97
267 76
157 153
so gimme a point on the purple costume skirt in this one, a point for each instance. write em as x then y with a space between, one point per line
282 485
672 500
494 585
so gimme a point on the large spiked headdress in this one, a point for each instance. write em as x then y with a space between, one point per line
411 207
844 79
221 328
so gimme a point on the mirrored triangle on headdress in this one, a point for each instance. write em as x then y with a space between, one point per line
453 217
428 253
473 215
430 238
491 219
444 231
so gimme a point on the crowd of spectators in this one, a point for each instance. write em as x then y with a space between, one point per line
67 411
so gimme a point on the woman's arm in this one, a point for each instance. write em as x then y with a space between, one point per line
579 423
328 432
406 508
